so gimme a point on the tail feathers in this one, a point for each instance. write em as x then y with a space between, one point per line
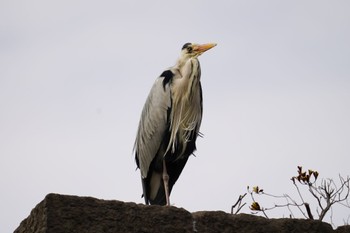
144 189
160 198
153 186
153 189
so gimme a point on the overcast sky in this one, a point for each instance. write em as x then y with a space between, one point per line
74 76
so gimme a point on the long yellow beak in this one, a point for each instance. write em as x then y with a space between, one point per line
204 47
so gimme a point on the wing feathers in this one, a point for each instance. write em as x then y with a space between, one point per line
153 123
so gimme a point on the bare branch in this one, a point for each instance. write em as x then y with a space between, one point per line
307 207
326 192
239 203
312 190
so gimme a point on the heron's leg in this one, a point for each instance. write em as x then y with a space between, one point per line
166 183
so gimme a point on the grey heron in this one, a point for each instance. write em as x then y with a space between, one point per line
169 125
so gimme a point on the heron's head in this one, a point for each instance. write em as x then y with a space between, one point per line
190 50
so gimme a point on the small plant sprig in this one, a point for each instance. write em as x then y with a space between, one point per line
326 193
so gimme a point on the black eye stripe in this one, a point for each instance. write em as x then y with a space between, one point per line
186 46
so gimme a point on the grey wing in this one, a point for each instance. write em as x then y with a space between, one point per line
153 124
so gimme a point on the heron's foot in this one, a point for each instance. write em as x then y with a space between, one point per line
166 188
166 178
166 184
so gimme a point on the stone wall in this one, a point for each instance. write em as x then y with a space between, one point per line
66 214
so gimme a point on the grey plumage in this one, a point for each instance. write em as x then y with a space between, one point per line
169 125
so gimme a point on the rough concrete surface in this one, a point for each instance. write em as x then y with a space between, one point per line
69 214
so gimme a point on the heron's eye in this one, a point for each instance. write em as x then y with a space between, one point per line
189 49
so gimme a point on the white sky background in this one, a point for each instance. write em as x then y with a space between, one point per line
74 76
